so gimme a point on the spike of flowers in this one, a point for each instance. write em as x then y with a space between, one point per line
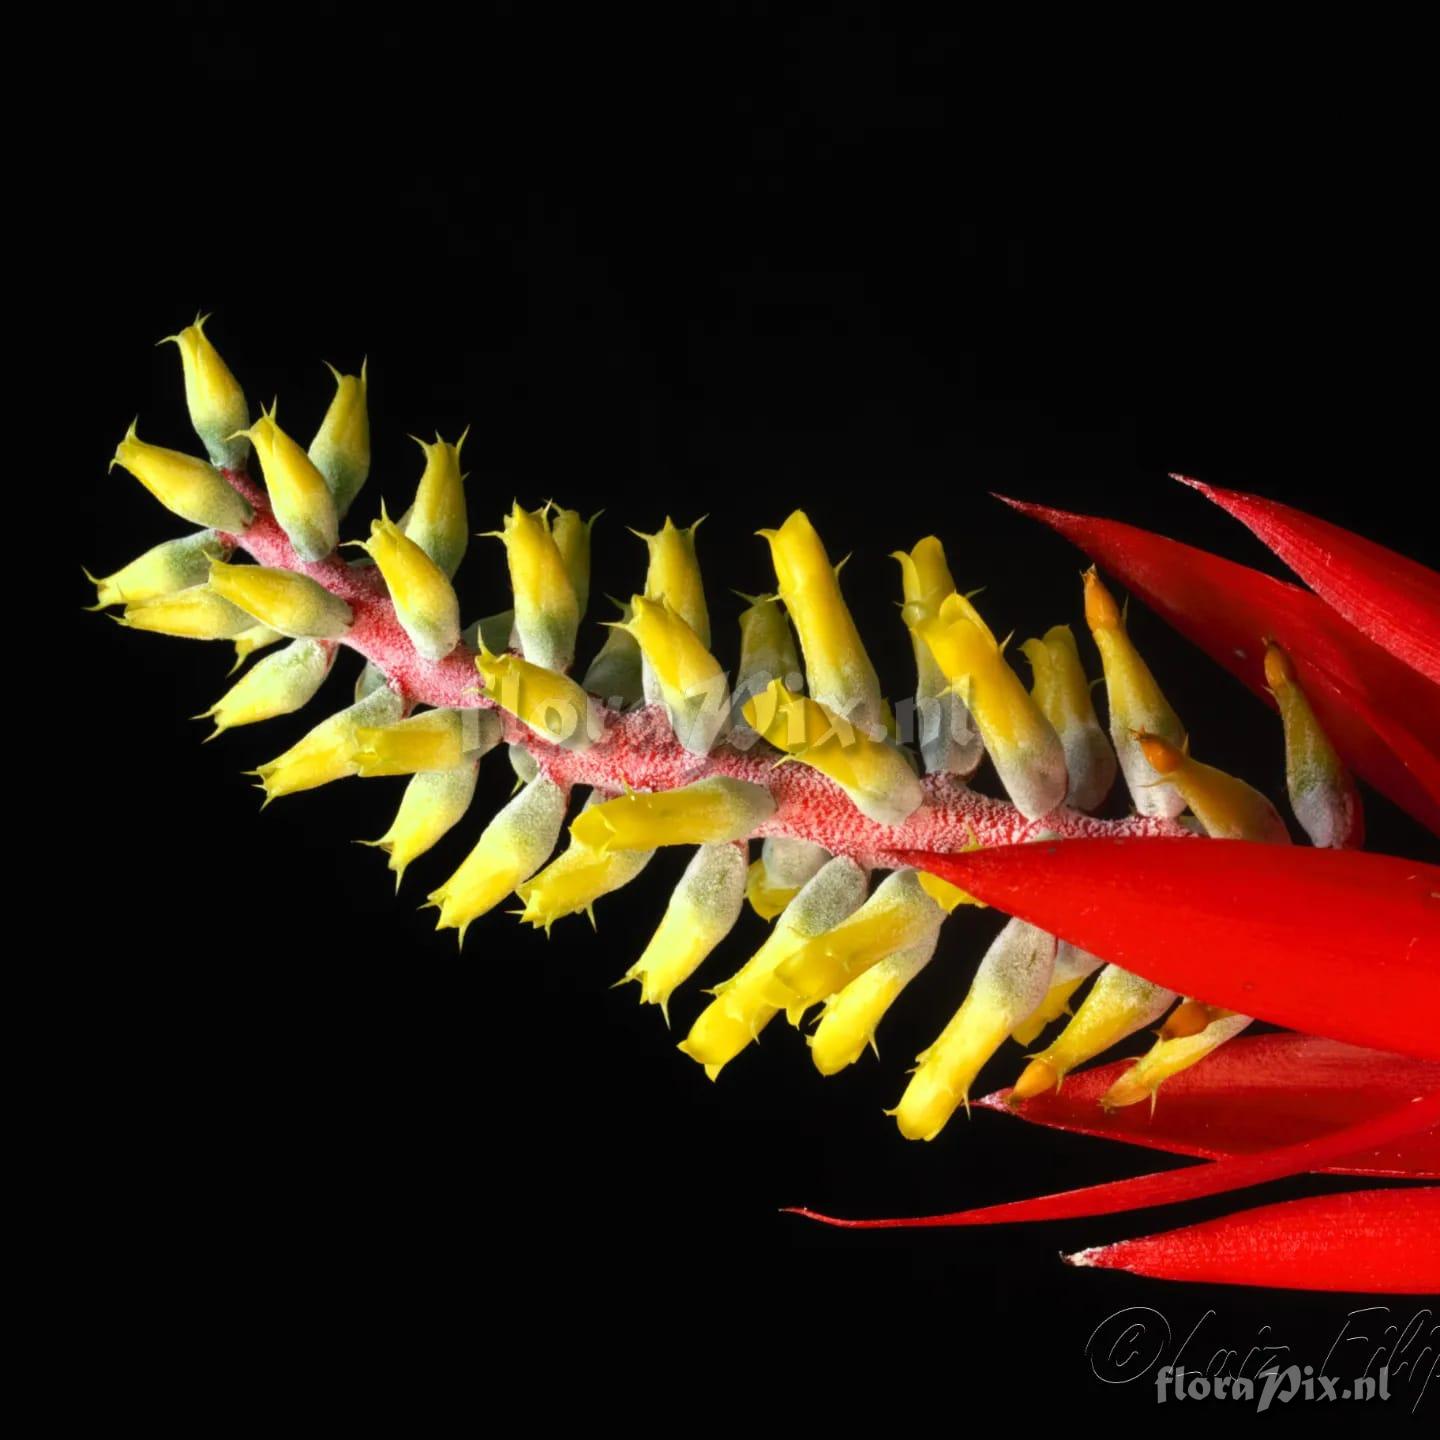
949 740
300 498
213 397
1009 986
1329 940
1023 745
547 613
1322 794
838 671
702 911
279 685
439 522
340 450
161 570
742 1007
1062 692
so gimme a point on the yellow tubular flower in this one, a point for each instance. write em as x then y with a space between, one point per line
1118 1005
1010 983
949 741
340 450
551 704
851 1015
438 522
433 740
279 685
514 845
547 613
572 540
673 575
185 486
575 880
247 642
213 396
741 1008
873 773
709 812
328 752
1170 1055
702 911
1136 703
1228 808
615 674
434 802
777 877
1322 793
303 505
1027 752
837 667
898 916
1062 692
425 601
194 614
767 652
687 678
161 570
283 600
1073 967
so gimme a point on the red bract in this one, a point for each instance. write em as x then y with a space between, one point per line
1391 598
1169 1187
1375 1241
1366 700
1254 1093
1337 943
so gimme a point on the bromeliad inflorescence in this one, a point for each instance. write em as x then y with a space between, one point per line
864 846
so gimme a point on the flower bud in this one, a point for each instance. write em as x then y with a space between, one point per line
1170 1055
547 613
784 867
184 485
1228 808
1010 983
1136 703
425 602
279 685
702 911
299 495
213 396
949 739
575 880
550 704
491 632
197 613
837 667
514 845
1073 967
247 642
328 752
673 575
1027 752
285 600
161 570
873 773
615 673
340 450
851 1015
741 1008
688 679
572 539
438 522
898 916
434 802
1062 692
709 812
767 653
433 740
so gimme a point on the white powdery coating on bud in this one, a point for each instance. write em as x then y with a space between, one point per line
1090 759
495 633
1073 963
370 679
950 741
522 762
790 863
278 685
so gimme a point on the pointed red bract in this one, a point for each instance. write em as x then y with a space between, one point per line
1170 1187
1338 943
1370 1241
1252 1094
1389 597
1378 713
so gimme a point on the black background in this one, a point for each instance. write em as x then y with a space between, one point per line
729 269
